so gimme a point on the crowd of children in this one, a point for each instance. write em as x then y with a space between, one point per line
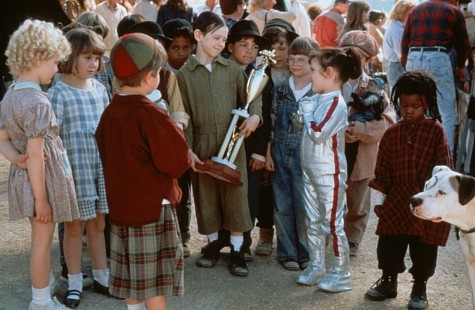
129 151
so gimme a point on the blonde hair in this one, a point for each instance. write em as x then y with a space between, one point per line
32 42
401 9
256 5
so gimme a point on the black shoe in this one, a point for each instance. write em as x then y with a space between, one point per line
237 264
247 255
384 288
69 302
418 296
101 289
210 254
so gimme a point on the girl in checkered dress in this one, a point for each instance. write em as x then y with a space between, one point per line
78 101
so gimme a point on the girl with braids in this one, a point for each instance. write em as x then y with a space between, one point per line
408 152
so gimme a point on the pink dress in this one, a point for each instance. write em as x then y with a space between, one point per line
26 113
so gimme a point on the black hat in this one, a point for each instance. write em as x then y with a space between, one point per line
245 27
174 26
149 28
277 22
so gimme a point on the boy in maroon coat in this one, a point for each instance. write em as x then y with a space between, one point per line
407 153
143 153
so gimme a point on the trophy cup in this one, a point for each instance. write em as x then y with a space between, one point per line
222 166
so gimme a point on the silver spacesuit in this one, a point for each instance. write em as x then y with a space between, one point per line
323 118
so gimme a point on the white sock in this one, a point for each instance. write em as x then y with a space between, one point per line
101 276
140 306
75 283
236 242
41 296
213 237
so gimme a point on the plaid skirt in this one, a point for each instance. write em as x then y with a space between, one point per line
147 261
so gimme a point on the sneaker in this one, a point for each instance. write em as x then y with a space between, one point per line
264 244
290 265
384 288
53 305
210 255
354 248
186 251
335 283
304 265
86 280
237 264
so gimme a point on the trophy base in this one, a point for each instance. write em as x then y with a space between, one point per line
221 170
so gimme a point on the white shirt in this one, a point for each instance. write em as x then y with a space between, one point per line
302 22
392 41
112 19
204 8
146 9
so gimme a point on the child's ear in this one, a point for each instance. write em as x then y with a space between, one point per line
230 48
198 35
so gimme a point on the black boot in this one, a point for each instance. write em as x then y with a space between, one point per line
210 254
384 288
237 265
418 296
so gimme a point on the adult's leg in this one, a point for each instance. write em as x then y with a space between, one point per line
358 199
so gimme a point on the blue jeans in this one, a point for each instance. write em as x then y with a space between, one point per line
393 71
438 65
289 207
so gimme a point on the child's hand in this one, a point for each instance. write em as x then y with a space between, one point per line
43 211
256 164
269 160
349 134
194 160
307 106
20 161
248 126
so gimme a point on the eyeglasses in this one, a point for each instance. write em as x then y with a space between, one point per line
297 61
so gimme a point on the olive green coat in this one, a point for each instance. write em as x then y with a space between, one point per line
208 98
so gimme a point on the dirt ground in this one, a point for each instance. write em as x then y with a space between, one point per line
268 286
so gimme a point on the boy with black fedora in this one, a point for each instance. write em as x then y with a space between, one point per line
243 43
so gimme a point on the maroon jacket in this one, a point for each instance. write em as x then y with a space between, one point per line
143 152
407 154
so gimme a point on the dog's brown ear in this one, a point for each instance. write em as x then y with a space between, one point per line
466 188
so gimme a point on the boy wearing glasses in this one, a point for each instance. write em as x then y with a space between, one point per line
284 158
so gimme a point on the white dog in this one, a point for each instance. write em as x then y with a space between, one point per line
449 196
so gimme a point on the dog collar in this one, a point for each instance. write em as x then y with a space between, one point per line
459 230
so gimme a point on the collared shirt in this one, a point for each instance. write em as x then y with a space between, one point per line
204 8
436 23
392 41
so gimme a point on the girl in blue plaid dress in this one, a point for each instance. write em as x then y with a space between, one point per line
78 101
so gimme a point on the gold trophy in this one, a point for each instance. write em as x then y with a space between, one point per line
222 166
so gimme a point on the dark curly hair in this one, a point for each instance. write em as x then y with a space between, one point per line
416 83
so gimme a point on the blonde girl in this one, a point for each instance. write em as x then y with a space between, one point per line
78 101
44 191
